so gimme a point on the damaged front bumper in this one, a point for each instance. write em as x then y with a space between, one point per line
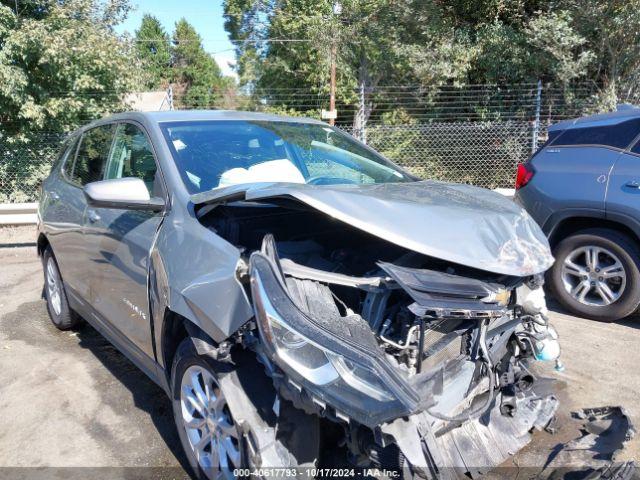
468 411
474 446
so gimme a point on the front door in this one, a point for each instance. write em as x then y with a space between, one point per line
120 242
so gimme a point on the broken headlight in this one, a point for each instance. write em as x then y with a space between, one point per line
333 371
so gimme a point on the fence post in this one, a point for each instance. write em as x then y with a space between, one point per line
536 123
363 126
170 97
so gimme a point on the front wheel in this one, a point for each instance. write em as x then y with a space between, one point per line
596 274
207 430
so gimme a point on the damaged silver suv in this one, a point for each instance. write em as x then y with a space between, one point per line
290 288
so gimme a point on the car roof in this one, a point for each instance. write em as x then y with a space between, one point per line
624 112
169 116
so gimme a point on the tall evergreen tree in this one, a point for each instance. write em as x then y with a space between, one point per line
194 70
152 45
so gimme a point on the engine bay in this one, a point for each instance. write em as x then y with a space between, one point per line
423 312
361 330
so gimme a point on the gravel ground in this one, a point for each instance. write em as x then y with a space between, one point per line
69 399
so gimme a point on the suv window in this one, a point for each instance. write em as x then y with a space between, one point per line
67 155
132 156
617 136
92 155
636 148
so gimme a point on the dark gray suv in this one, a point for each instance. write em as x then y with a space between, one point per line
583 188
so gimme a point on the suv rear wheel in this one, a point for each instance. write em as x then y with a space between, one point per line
59 312
596 274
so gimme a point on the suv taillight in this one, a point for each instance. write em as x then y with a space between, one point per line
524 175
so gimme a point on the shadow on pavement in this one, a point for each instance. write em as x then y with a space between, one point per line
147 396
17 244
632 321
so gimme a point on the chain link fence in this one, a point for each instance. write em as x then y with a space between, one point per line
471 134
24 163
480 153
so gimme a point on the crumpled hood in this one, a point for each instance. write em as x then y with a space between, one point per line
459 223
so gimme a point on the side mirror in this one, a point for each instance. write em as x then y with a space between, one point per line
122 193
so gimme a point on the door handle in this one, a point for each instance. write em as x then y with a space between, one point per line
632 184
93 216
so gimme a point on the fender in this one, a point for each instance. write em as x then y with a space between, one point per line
628 221
550 227
193 273
555 219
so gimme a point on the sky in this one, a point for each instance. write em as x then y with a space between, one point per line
204 15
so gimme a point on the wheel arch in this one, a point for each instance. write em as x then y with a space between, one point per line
42 244
175 328
573 224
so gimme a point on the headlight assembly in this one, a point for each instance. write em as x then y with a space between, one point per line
353 378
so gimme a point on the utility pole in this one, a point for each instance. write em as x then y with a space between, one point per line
362 113
332 83
332 113
536 122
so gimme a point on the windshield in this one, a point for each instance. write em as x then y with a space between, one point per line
211 154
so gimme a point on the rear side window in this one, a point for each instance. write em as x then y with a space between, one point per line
636 148
553 135
92 155
550 139
617 136
67 156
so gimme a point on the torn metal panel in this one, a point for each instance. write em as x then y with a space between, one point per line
442 291
489 232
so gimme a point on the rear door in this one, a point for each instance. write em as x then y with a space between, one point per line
62 214
85 163
623 194
120 242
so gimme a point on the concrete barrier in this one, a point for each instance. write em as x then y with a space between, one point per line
18 213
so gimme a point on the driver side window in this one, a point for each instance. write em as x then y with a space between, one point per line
132 156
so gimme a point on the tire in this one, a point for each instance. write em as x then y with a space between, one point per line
55 294
186 363
295 435
604 289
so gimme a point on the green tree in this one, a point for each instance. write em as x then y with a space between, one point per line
194 70
612 32
285 44
61 65
152 45
58 71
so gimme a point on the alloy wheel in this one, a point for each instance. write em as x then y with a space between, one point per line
208 423
53 286
593 276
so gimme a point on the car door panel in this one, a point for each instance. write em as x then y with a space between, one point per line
63 206
120 242
575 177
623 193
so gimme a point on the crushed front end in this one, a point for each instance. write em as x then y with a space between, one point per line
428 358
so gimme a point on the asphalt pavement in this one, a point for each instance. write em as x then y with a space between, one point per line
70 399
